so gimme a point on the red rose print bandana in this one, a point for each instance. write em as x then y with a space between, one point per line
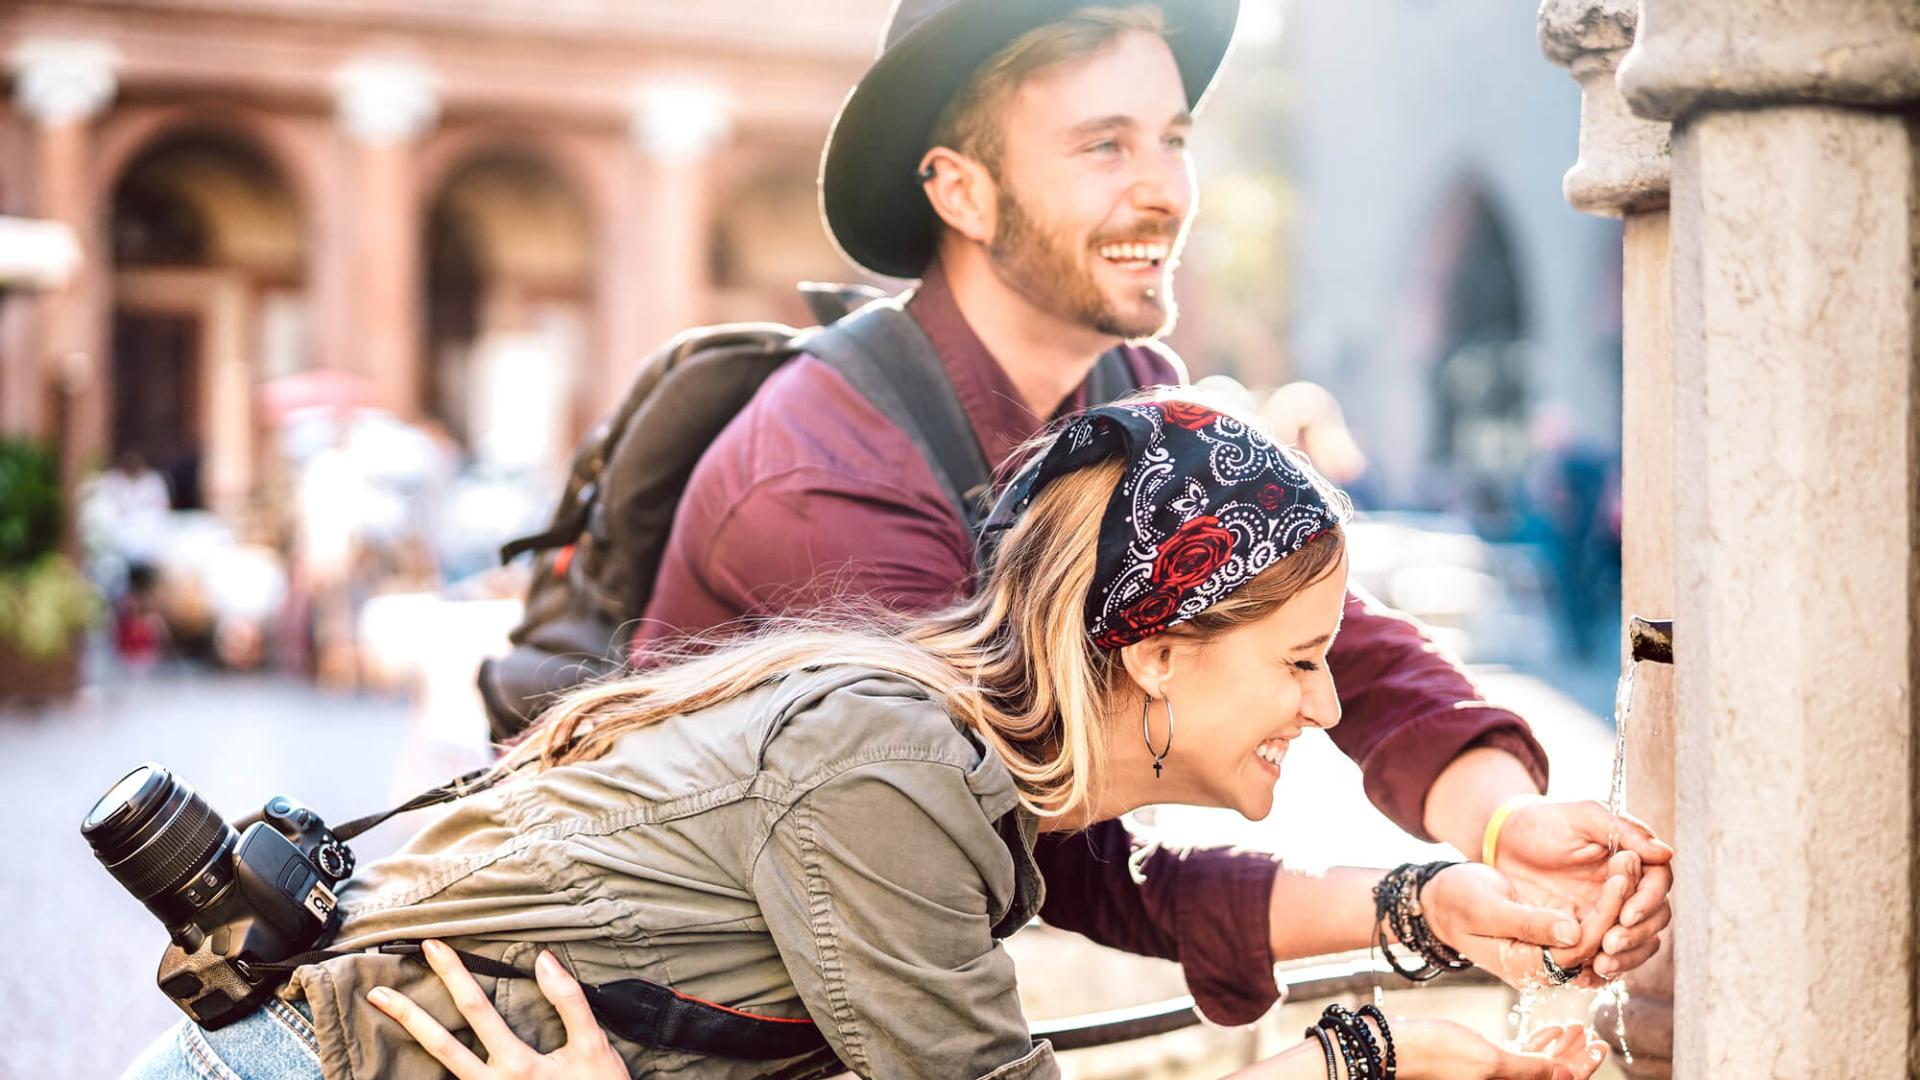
1206 504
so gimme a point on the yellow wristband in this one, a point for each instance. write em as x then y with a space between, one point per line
1490 842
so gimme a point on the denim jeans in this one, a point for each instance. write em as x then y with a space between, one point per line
275 1043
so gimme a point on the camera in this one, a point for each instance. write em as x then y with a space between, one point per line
232 900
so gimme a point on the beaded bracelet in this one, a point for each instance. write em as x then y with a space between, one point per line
1363 1058
1386 1036
1397 906
1361 1033
1349 1048
1326 1047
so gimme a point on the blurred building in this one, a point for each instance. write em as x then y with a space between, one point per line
1465 317
480 213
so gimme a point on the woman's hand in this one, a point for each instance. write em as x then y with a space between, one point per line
1441 1050
1479 913
586 1056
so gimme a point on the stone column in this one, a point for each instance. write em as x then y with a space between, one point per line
1795 321
384 105
1622 172
667 247
62 85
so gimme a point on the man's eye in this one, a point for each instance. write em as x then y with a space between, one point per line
1105 146
1176 142
1305 665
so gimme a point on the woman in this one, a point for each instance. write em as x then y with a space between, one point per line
831 827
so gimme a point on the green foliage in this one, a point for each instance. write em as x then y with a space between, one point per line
30 504
44 599
44 604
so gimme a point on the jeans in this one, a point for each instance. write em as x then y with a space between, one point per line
275 1043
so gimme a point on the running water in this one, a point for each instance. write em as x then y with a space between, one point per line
1616 988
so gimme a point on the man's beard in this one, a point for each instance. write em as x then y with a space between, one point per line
1041 266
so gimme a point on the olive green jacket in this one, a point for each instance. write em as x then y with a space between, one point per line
833 845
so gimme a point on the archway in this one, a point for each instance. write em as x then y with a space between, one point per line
508 290
208 298
1479 375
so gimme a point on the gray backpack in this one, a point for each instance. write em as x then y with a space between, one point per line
596 560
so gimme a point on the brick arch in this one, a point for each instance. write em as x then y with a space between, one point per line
574 161
127 134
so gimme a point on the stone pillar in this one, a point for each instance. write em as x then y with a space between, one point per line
1623 172
1795 321
61 86
384 105
667 248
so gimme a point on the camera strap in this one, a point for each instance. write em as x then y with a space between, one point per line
457 788
638 1010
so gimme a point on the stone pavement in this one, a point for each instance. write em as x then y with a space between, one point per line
78 1000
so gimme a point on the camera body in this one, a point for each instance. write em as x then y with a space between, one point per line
231 901
279 904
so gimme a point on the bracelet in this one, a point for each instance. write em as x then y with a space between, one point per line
1326 1047
1357 1063
1397 907
1490 840
1362 1037
1386 1036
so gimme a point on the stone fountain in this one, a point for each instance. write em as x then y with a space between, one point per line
1764 156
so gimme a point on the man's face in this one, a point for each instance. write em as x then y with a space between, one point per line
1096 187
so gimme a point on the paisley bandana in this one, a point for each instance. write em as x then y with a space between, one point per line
1206 504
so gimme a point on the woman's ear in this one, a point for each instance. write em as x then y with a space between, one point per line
1151 663
961 191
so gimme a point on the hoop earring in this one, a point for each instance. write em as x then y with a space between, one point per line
1146 732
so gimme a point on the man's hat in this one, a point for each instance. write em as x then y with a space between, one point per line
870 189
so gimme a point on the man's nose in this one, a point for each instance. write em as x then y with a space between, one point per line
1164 185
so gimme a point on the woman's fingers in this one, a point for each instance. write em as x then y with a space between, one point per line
427 1031
1650 897
1544 1039
501 1043
1514 1066
1624 872
564 992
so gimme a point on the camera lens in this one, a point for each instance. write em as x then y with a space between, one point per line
162 843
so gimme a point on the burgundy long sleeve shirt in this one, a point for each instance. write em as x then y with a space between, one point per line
811 496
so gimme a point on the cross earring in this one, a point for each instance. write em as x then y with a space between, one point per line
1146 732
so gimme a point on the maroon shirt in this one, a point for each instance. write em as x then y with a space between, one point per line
811 496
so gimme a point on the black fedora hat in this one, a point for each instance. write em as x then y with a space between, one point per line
869 175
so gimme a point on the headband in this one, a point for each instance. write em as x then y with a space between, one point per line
1207 503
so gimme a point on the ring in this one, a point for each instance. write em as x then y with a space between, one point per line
1556 974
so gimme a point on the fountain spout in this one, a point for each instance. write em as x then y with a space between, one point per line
1650 639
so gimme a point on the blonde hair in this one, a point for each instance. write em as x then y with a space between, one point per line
971 121
1014 662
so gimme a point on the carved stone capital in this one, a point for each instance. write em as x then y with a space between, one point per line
63 81
674 121
383 100
1624 161
1694 54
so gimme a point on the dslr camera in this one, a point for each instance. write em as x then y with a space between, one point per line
233 901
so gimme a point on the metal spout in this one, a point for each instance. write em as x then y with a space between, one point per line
1650 639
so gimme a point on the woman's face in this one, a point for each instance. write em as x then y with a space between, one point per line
1241 697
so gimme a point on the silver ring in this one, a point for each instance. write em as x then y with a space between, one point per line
1556 974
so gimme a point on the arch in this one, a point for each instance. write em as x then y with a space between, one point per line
511 260
209 246
1482 321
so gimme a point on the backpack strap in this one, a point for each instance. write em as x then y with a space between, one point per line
884 354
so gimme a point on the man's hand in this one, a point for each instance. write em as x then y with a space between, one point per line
1480 914
1556 855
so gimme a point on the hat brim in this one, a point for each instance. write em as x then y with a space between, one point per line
870 190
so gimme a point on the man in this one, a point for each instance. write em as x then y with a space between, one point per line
1028 163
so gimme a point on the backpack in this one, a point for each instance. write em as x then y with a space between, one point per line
597 557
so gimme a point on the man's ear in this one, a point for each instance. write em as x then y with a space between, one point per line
961 191
1151 663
